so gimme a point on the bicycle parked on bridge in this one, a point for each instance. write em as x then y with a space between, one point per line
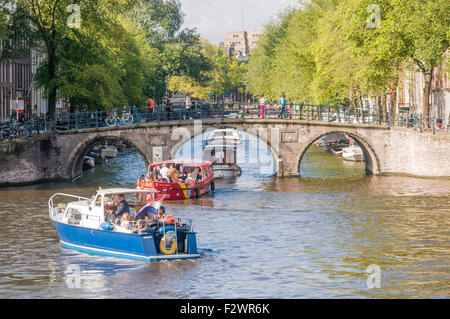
113 118
14 129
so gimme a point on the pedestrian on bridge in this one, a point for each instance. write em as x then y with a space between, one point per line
188 107
283 107
262 104
150 105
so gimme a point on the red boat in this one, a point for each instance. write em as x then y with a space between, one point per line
179 179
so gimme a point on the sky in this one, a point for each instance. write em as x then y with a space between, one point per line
212 18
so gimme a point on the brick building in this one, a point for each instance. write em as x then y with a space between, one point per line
15 84
241 42
411 89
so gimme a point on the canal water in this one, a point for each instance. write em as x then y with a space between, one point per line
334 233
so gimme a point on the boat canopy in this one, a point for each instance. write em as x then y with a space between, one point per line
185 162
114 191
224 133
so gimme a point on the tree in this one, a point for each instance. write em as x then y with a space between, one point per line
44 24
413 30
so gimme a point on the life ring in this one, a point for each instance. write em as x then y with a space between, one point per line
168 244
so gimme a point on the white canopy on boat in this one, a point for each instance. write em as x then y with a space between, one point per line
113 191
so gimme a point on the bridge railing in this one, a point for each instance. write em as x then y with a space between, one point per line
134 116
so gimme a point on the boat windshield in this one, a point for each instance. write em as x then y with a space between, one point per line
220 154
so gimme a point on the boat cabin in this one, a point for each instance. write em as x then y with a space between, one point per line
92 212
220 154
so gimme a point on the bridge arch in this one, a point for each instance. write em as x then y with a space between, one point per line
76 158
249 129
370 156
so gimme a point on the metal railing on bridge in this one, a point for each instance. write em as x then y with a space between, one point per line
201 111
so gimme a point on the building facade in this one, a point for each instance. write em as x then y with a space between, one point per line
241 42
15 84
410 92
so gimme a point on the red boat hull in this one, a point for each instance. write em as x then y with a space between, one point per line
177 191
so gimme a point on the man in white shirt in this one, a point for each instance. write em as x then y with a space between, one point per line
164 173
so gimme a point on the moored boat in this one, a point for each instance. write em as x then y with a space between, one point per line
84 224
353 153
224 158
190 179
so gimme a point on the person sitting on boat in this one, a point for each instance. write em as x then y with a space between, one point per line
152 211
173 174
189 179
164 173
182 175
122 215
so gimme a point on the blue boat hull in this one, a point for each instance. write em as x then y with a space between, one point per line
120 245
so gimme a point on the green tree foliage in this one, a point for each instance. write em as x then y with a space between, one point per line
408 31
335 51
121 52
218 74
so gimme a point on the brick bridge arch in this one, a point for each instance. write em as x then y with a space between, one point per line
258 133
75 160
370 156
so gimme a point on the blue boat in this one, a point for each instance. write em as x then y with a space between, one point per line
85 225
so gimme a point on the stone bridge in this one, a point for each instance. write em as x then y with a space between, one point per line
387 150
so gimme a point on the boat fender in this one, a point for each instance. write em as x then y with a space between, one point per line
213 186
169 219
168 229
197 192
107 226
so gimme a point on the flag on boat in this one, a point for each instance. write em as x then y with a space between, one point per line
152 208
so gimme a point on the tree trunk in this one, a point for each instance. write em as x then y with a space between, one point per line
380 109
426 98
51 77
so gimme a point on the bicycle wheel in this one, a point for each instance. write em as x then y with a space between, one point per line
48 126
110 121
23 133
127 119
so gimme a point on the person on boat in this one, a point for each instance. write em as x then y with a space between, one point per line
164 173
122 214
151 212
182 175
173 174
189 179
155 172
